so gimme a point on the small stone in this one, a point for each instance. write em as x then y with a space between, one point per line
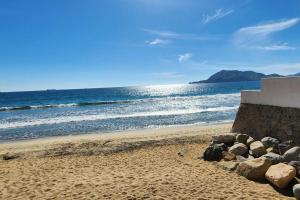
273 157
292 154
280 174
257 149
254 169
227 156
270 142
296 191
182 152
227 138
238 149
284 146
242 138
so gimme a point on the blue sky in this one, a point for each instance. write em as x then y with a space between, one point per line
102 43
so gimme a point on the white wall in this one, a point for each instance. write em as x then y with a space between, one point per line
284 92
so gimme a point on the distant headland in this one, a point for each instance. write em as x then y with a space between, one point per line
237 76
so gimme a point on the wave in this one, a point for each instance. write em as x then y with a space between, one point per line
28 107
68 119
61 105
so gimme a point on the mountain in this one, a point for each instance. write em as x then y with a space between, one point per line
298 74
235 76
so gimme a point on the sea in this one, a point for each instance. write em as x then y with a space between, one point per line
38 114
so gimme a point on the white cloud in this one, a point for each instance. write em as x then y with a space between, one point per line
179 36
257 37
218 14
168 75
184 57
276 47
156 42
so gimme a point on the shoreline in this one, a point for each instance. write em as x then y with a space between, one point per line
162 135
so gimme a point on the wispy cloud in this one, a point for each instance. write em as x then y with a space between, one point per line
168 75
256 37
184 57
179 36
218 14
156 42
276 47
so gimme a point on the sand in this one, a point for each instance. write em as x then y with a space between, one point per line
138 165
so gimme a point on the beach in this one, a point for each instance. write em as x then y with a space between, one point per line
161 163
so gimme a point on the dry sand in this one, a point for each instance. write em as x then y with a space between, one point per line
134 165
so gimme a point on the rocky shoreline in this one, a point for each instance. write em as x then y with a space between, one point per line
267 159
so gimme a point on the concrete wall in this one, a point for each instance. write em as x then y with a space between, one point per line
283 92
274 111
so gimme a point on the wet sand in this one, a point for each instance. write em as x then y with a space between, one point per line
133 165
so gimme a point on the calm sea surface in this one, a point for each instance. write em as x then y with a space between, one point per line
26 115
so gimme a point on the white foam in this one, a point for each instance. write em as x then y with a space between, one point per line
79 118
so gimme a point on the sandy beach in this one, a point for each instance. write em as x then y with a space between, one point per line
142 164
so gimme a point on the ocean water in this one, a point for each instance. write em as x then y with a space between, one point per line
36 114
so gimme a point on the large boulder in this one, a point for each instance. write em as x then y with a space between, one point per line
273 157
238 149
284 146
213 153
227 138
242 138
296 191
270 142
254 169
280 174
292 154
257 149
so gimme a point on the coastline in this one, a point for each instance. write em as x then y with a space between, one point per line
162 135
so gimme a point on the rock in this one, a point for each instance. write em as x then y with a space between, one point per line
270 142
213 153
296 191
257 149
296 165
280 174
273 150
227 138
242 138
241 158
227 156
222 145
292 154
238 149
254 169
273 157
250 140
229 166
284 146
